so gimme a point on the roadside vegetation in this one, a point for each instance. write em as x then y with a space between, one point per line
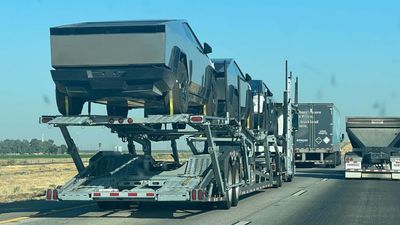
33 146
27 176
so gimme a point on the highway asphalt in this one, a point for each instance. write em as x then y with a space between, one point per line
316 196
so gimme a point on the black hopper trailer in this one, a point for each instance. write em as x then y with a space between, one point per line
376 148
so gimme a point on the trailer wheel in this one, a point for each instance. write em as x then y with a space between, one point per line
278 178
227 203
236 190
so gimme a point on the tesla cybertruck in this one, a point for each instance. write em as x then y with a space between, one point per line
158 65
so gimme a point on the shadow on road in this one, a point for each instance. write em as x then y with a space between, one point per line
37 206
87 209
170 210
321 173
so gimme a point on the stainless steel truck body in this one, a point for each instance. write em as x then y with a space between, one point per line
318 138
236 89
131 64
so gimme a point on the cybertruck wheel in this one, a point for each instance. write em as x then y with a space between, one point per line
68 106
121 111
180 92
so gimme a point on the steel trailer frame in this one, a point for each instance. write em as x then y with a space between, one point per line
216 132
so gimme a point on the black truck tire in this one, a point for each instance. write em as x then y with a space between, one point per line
236 190
227 203
121 111
71 108
279 177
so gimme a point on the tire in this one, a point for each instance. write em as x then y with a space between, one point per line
227 203
278 178
151 110
280 181
289 178
180 91
180 126
74 106
120 111
236 190
157 126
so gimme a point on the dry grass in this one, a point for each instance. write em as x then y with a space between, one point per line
346 147
30 179
183 156
19 182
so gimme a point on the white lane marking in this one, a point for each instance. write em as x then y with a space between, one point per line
242 223
299 192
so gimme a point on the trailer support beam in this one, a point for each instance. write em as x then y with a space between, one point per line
131 147
146 145
192 147
175 154
212 149
72 149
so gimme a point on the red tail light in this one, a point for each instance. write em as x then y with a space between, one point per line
114 194
130 120
150 194
200 195
48 194
121 120
132 194
196 119
46 119
194 195
55 194
96 194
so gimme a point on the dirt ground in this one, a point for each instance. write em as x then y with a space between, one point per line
19 182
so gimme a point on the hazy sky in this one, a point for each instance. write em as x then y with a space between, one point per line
345 52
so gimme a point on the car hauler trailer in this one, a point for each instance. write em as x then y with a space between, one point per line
233 159
376 148
318 138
